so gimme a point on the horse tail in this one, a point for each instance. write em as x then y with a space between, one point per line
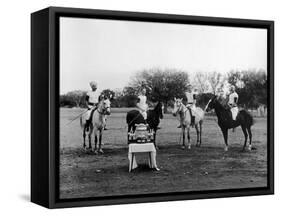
248 117
128 118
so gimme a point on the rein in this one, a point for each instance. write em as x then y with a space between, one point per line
101 112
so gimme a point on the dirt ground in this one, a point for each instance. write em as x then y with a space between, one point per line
83 174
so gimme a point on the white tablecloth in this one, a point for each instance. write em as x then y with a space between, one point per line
140 148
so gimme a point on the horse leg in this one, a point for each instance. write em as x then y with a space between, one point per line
225 134
89 137
250 137
84 138
183 137
197 133
200 125
96 141
100 141
188 137
245 135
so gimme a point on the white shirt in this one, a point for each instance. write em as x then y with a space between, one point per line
142 103
93 96
190 97
231 98
142 99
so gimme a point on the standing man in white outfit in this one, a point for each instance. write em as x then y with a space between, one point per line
141 104
232 102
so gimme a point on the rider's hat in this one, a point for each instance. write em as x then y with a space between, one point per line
93 84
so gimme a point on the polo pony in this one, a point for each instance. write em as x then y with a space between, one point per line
98 121
185 120
153 119
225 121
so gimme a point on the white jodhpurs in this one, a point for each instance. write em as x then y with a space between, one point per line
234 111
88 113
142 109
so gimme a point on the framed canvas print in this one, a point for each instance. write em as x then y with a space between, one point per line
139 107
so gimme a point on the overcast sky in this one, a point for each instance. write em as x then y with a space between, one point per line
109 52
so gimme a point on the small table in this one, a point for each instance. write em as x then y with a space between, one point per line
140 148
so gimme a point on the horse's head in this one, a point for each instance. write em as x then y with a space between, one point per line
211 104
105 106
178 105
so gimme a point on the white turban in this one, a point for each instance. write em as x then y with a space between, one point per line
93 84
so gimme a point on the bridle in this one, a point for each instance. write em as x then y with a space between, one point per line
104 110
180 108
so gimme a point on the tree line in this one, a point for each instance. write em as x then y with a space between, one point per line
164 85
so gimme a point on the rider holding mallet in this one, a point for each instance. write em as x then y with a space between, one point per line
92 100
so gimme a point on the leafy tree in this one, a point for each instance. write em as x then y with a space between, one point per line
251 86
161 85
216 81
201 82
77 96
108 93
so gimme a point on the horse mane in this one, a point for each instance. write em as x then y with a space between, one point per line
157 105
219 105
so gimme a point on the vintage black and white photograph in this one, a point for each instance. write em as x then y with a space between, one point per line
152 108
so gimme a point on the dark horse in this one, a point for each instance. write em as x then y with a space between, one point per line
225 121
153 119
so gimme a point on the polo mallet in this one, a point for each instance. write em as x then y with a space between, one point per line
72 120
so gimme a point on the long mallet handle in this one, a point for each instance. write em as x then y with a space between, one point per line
72 120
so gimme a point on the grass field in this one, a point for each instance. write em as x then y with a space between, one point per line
83 174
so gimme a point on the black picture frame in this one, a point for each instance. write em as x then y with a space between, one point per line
45 105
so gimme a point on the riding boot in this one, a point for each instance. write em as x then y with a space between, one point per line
87 125
192 121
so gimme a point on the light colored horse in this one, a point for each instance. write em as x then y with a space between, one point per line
97 125
185 119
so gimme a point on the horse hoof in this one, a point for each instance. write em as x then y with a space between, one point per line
226 149
189 147
95 151
101 151
183 147
250 147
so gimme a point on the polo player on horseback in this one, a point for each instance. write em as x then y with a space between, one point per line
232 102
142 103
92 101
